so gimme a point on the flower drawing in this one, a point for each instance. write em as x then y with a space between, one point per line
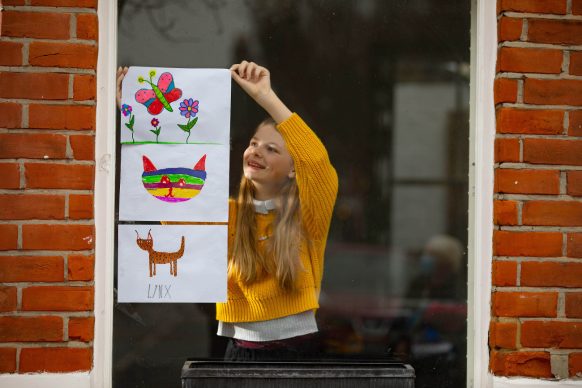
189 108
126 111
157 128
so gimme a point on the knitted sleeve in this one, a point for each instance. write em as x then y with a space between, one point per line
316 178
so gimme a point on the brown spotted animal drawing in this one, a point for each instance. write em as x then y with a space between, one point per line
147 244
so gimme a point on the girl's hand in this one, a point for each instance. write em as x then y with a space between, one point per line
256 81
121 72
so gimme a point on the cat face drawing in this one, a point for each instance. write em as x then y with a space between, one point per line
175 184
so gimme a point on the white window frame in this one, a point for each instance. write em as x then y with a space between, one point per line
482 134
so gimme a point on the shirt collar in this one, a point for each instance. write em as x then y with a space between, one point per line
263 207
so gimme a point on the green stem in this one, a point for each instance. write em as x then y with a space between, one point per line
188 137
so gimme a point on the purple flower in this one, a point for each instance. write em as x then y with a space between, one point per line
189 108
155 122
126 109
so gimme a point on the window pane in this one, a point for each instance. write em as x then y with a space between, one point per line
385 85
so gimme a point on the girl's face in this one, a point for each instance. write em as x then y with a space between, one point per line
266 160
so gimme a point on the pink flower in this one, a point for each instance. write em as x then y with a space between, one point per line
155 122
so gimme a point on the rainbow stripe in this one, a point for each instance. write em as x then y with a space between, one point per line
174 184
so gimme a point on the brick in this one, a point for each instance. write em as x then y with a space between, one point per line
32 269
551 334
69 237
530 121
10 115
502 335
10 54
81 329
84 87
533 6
55 359
552 213
32 207
66 3
73 55
58 176
530 60
527 181
525 304
551 274
574 304
552 91
530 364
42 25
574 183
504 273
36 86
506 150
574 245
575 63
32 146
77 117
7 360
57 298
31 329
87 26
7 299
81 268
575 364
8 237
554 31
80 206
10 173
552 151
505 90
535 244
575 123
505 213
83 146
509 29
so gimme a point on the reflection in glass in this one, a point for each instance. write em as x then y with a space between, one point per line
385 85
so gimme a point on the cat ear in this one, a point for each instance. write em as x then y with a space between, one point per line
137 234
150 235
201 165
148 165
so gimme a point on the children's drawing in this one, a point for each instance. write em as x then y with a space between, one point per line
174 182
191 105
157 257
147 265
177 184
188 109
158 97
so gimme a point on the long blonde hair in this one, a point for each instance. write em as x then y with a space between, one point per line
281 256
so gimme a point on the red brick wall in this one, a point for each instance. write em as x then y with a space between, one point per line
48 56
536 325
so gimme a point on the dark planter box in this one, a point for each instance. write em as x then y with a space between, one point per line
202 374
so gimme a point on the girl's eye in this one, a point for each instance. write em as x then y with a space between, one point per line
271 149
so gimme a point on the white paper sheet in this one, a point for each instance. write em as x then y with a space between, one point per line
205 91
163 194
200 275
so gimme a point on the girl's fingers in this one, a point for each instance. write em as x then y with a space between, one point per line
242 68
250 69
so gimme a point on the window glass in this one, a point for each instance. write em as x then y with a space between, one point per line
385 85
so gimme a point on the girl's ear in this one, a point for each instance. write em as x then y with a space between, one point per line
292 174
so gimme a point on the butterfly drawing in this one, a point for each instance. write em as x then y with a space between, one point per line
160 96
175 184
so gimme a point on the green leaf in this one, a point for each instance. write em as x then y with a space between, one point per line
129 126
183 127
132 120
154 132
192 123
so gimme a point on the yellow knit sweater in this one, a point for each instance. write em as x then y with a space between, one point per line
317 182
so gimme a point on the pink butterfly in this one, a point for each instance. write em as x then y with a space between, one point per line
158 97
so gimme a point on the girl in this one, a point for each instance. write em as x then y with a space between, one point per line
278 228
